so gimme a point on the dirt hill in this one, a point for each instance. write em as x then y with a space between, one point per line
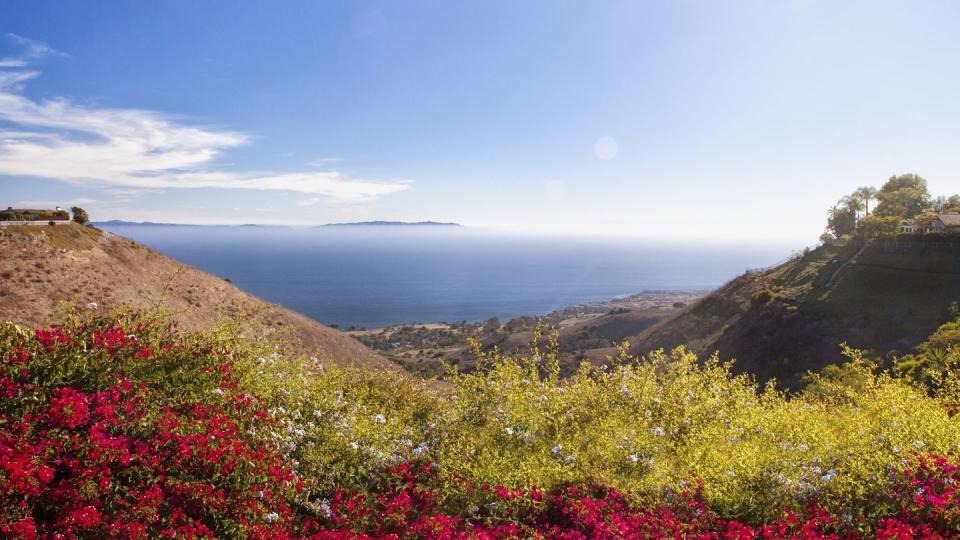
886 297
41 266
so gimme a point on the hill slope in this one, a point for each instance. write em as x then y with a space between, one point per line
42 266
886 297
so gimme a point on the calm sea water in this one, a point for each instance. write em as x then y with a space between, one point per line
371 277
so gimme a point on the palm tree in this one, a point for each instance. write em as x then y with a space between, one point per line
866 194
853 204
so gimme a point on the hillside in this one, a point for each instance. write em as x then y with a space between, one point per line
781 322
42 266
586 331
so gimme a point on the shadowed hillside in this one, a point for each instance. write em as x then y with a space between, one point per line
43 266
886 298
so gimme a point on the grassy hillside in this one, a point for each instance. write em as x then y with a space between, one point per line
41 267
885 298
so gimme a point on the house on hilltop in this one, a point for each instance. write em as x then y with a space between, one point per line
31 215
948 222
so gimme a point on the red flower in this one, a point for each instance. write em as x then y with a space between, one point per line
68 409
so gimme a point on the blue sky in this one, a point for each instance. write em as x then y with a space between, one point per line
736 120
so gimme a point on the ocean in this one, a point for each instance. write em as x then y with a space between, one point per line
379 276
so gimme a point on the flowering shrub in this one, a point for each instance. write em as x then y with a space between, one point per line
96 440
125 427
408 505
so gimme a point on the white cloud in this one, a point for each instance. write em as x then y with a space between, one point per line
12 80
133 148
50 204
324 162
33 48
309 202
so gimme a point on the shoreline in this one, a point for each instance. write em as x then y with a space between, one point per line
644 300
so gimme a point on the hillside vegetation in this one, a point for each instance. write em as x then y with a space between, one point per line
43 266
128 427
792 318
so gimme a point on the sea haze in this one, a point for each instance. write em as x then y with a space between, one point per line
378 276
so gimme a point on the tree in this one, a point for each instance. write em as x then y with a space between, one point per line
866 194
953 203
80 215
873 227
905 196
841 221
924 221
492 326
853 204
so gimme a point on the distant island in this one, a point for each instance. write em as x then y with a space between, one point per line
393 224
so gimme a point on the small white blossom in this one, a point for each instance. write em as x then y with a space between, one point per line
568 460
508 430
658 432
93 306
379 418
323 507
272 517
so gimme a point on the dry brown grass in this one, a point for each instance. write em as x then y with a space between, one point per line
41 267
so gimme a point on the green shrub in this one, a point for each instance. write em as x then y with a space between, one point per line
763 296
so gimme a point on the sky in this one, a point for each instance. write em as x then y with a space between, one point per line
733 120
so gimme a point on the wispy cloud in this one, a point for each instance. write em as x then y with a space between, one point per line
309 202
135 149
30 50
141 149
324 162
33 48
51 203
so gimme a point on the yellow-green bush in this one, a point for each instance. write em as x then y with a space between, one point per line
647 427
